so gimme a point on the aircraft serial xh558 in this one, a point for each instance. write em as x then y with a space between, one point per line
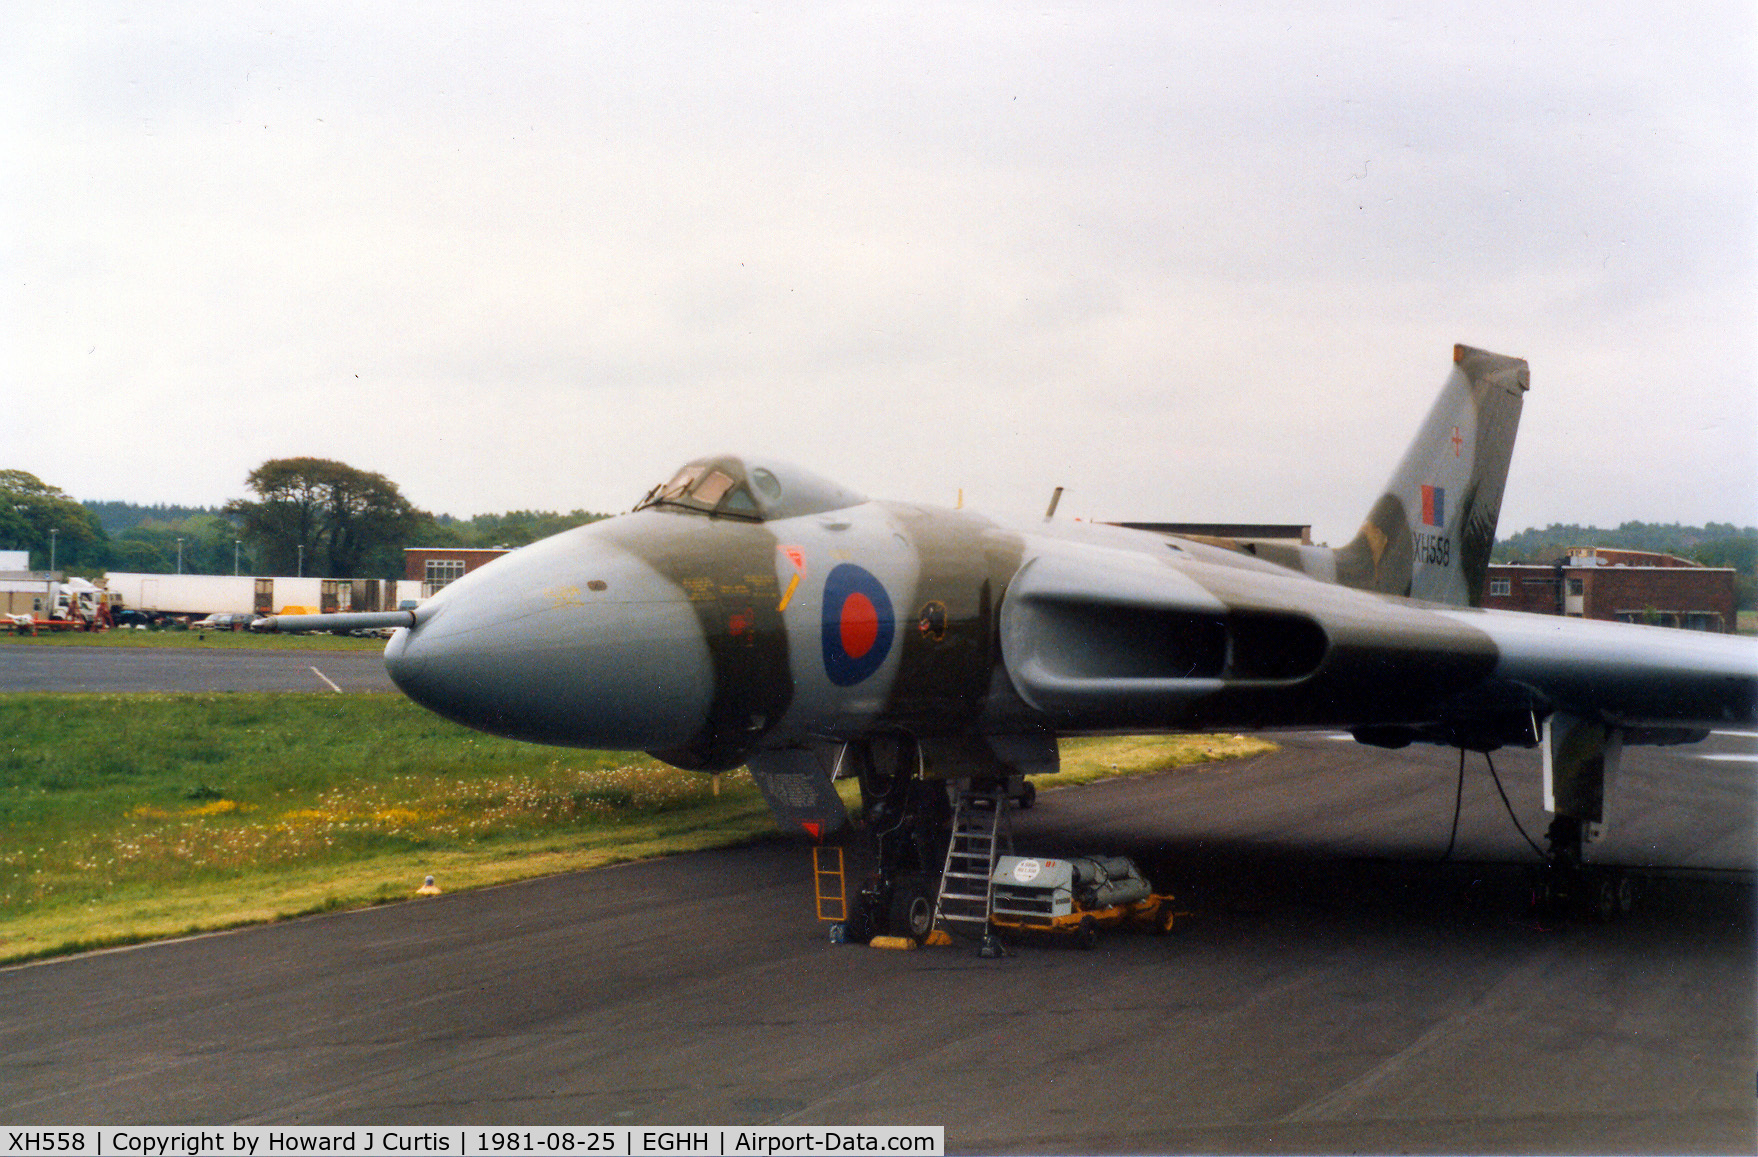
748 612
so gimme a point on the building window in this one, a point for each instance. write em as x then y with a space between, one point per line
1575 586
440 571
1501 586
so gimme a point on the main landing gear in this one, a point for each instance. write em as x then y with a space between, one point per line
1581 758
1566 886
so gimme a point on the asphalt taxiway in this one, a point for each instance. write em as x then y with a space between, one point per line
1336 988
125 669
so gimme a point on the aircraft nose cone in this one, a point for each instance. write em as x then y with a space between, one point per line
570 640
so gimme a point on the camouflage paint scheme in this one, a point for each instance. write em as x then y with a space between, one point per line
749 610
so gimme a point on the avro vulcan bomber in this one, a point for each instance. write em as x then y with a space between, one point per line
749 612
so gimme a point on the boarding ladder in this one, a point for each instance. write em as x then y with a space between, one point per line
979 827
827 883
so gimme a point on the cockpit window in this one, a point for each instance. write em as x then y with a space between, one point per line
711 489
680 482
741 504
736 488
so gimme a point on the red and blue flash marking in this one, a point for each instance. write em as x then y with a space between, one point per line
1434 505
858 625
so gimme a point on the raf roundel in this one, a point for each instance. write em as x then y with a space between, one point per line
858 625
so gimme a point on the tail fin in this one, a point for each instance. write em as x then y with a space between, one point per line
1430 534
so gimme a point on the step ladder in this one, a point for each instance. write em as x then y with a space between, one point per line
979 827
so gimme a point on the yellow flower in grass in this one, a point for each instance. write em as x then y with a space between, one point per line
218 807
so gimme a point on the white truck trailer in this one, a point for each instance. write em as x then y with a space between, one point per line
183 594
207 594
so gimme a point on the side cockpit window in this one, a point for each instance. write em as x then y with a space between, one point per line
767 484
735 488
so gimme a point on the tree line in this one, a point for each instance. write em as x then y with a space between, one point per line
306 515
1713 544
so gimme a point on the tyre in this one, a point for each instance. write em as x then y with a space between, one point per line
912 909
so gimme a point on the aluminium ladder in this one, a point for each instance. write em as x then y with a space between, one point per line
979 825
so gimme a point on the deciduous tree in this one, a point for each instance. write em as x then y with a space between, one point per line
30 508
339 514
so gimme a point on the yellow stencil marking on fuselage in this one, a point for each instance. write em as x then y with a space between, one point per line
565 596
793 585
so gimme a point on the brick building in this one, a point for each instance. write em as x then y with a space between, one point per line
435 566
1631 586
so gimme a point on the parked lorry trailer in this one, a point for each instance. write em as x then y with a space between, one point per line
185 594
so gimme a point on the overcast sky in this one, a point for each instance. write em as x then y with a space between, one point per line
1191 261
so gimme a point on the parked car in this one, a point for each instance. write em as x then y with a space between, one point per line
227 621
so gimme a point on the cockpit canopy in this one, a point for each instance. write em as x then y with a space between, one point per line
749 489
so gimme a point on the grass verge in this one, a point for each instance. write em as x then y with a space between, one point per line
133 817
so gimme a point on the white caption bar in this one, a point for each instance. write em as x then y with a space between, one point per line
399 1141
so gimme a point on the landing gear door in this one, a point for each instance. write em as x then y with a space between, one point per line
1581 758
798 791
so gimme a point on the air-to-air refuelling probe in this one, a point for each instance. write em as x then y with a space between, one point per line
749 612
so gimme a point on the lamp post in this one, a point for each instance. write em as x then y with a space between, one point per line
180 556
302 560
235 544
53 531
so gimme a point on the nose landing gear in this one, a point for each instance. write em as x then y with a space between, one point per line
908 818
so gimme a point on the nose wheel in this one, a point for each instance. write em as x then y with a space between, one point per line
911 912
